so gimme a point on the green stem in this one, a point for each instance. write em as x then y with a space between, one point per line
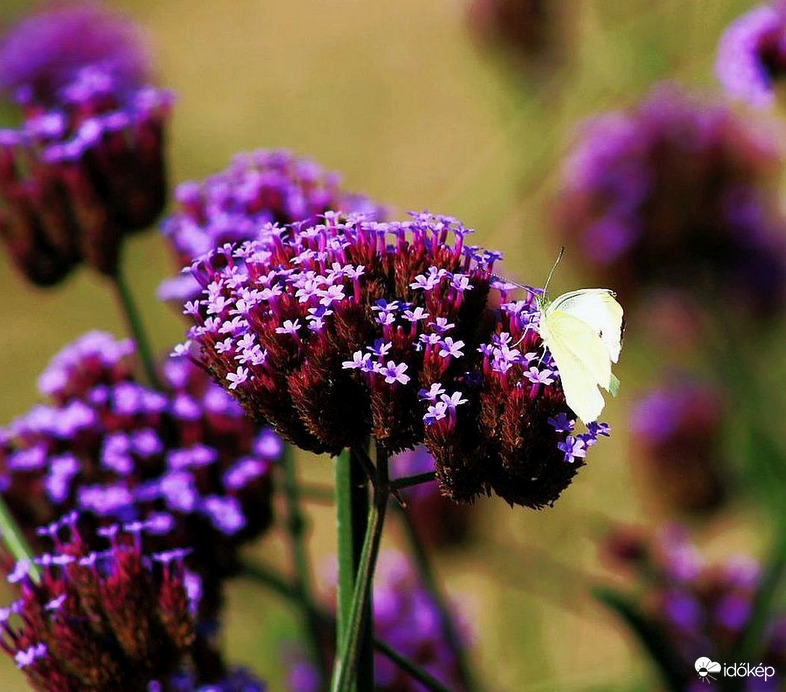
135 328
15 541
426 574
409 481
352 506
427 680
761 612
296 530
358 639
267 576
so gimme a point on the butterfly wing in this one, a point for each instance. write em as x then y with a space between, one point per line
599 309
582 359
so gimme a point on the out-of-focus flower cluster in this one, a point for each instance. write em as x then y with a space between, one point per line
530 32
703 608
117 450
259 187
438 521
677 432
752 54
103 620
235 680
407 619
350 328
679 193
87 165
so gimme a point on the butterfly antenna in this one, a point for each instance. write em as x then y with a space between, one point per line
551 273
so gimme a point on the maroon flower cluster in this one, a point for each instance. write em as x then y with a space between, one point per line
104 620
703 608
354 328
87 165
258 187
117 450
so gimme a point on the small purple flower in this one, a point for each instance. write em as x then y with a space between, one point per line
393 372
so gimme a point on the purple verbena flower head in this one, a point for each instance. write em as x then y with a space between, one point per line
258 187
106 619
86 166
42 53
119 451
353 328
703 607
679 193
677 432
752 54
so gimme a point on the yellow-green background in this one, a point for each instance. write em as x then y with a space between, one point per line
396 96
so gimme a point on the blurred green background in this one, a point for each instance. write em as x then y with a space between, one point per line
398 96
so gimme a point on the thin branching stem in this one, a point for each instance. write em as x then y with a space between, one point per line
267 576
409 481
427 577
135 328
296 531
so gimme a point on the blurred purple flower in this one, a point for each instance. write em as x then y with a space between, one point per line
44 52
531 33
236 680
120 451
677 432
259 187
87 165
678 193
703 607
752 54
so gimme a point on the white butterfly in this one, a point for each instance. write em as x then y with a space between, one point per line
583 332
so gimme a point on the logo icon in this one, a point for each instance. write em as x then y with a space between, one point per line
704 666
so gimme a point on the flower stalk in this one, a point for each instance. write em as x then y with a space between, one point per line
15 542
352 512
355 643
135 328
